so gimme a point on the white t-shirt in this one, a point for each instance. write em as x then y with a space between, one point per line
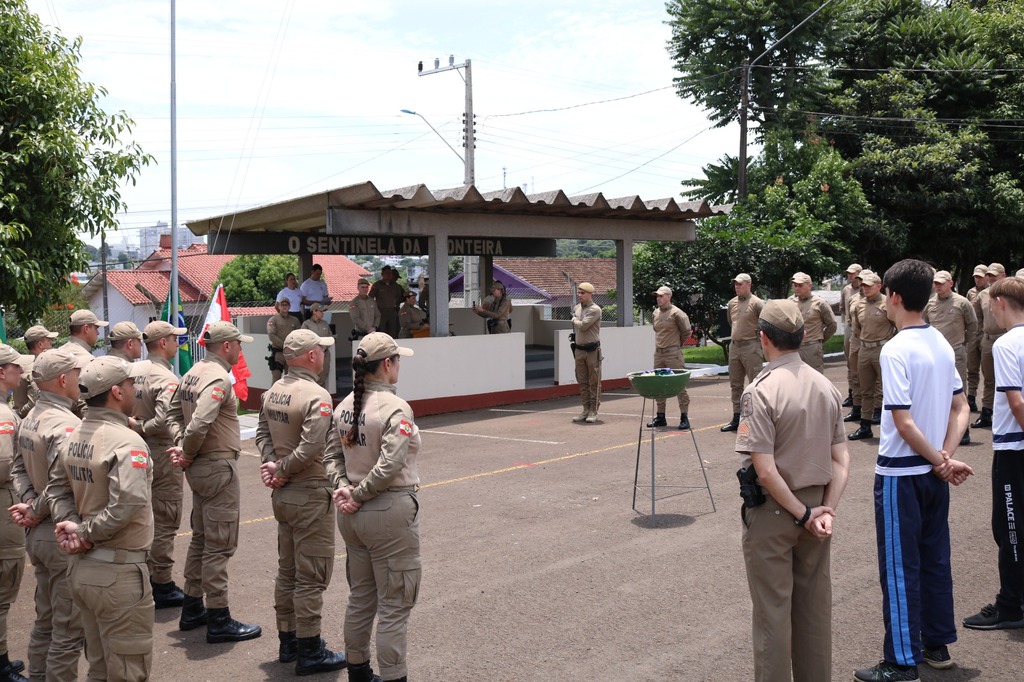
294 296
918 374
315 291
1008 358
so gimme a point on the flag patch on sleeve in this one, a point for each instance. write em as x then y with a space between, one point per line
171 387
6 428
325 409
405 428
218 393
139 459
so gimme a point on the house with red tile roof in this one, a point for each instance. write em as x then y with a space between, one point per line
549 281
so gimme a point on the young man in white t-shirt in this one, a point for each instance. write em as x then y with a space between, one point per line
1007 305
924 416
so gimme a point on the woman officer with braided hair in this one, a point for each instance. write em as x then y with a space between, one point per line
373 469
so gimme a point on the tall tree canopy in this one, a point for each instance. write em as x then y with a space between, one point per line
61 161
256 278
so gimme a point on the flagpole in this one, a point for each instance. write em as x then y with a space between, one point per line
173 297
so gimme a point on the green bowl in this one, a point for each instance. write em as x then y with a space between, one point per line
659 385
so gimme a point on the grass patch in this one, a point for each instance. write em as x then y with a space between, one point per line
834 345
713 354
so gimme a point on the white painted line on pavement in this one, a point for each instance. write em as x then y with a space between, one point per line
480 435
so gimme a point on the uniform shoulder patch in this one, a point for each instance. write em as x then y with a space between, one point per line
325 409
6 428
746 405
218 393
172 387
140 459
405 428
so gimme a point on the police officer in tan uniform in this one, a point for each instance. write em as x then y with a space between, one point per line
204 428
388 294
153 392
295 428
100 495
319 326
872 326
819 322
57 637
85 332
990 332
851 345
37 338
974 344
12 537
279 326
410 318
954 317
586 349
671 330
496 308
364 311
125 341
791 433
745 359
376 478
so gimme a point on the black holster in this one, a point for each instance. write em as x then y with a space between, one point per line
750 490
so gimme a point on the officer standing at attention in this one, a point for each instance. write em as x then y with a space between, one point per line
294 430
745 359
873 328
586 348
791 434
410 318
376 478
12 537
100 495
56 640
974 343
317 325
37 338
954 317
363 310
85 332
819 322
153 392
203 421
389 295
851 344
671 330
278 328
125 341
990 332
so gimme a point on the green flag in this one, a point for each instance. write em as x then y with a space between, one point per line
3 328
184 352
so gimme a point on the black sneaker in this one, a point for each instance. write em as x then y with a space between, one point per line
989 618
937 657
887 672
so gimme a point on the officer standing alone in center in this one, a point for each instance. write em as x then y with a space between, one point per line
745 359
671 330
586 329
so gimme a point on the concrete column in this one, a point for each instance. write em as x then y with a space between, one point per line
624 281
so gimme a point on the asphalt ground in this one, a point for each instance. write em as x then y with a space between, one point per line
536 567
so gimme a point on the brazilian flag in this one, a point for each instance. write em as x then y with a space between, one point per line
184 352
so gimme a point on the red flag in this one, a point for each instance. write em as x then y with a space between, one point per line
219 313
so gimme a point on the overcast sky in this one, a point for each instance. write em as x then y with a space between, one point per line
283 98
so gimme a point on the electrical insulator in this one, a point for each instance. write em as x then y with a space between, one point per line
419 69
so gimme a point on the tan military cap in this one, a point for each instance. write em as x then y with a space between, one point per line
124 330
741 278
224 331
86 317
11 356
284 300
996 269
363 280
586 286
942 276
663 291
980 270
378 345
159 329
38 332
103 373
316 307
784 314
52 363
854 268
302 340
801 278
870 278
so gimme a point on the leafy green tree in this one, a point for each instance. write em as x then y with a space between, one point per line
256 277
61 162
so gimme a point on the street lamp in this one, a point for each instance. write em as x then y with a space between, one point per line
454 151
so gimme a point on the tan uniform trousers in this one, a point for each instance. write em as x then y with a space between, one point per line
116 603
988 371
745 362
305 554
852 371
168 485
673 359
57 638
382 541
960 356
12 560
789 576
973 365
870 370
215 500
813 354
389 323
588 376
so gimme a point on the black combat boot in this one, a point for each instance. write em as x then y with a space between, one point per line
221 627
973 403
854 415
863 432
733 425
849 399
966 438
657 421
985 420
684 422
288 650
193 613
876 417
9 670
362 672
167 595
315 657
403 678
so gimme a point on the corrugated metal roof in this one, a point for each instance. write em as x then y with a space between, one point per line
309 212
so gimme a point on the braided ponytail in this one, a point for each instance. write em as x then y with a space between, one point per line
360 368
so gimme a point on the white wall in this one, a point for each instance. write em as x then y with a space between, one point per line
624 349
